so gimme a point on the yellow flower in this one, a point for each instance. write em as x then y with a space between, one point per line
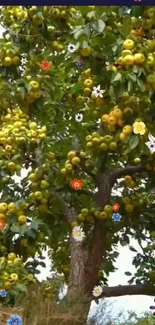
139 128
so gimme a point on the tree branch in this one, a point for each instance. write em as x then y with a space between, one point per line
64 204
128 170
88 172
142 289
69 213
83 191
148 210
87 192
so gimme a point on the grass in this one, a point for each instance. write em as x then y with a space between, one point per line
36 308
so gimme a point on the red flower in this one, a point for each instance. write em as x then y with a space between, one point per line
76 184
2 224
115 207
45 65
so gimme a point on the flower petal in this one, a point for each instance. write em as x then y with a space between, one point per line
151 137
9 322
151 146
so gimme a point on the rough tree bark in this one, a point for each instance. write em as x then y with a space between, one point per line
85 263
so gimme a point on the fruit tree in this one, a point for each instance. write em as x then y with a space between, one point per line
86 116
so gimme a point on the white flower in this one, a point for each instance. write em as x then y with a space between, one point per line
97 91
153 254
78 233
23 61
71 48
151 138
151 144
78 117
97 291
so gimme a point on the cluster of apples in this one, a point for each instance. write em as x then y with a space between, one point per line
102 143
89 215
6 209
10 55
74 160
11 273
40 183
33 92
13 16
113 118
17 129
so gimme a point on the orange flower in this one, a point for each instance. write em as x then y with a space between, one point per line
115 207
2 224
45 65
76 184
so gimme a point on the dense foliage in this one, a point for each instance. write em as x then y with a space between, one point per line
42 140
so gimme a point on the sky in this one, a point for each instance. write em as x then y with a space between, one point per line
139 304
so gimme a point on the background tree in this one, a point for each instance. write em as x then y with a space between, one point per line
94 52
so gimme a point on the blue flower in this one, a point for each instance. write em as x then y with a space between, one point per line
79 64
3 293
14 320
116 216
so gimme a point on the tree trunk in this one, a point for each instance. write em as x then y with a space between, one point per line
78 297
77 276
85 262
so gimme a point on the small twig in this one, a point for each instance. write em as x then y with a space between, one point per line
82 191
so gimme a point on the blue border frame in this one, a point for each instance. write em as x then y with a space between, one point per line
77 2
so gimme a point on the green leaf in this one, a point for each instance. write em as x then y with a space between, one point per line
111 92
126 25
30 233
133 143
123 243
117 77
15 228
132 77
22 230
42 264
100 26
91 14
36 223
110 39
78 34
141 85
129 86
87 30
15 157
36 271
128 273
132 249
135 69
84 44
